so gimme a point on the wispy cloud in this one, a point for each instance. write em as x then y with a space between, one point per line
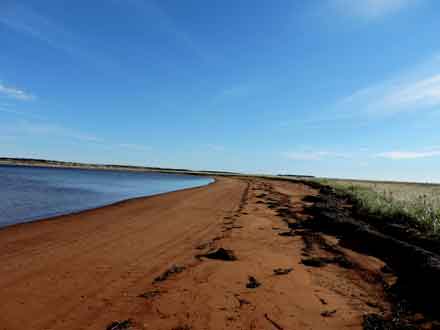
401 155
15 93
37 129
314 155
216 147
232 92
369 9
362 155
417 90
414 89
330 116
134 147
12 110
154 13
22 18
54 130
424 92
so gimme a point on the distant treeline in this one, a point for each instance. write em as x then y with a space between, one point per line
296 175
56 163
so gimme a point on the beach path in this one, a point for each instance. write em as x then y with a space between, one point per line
144 260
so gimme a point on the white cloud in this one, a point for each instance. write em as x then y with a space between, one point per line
363 155
399 155
313 155
48 129
53 130
424 92
369 9
22 18
155 14
20 113
413 90
215 147
417 93
15 93
134 147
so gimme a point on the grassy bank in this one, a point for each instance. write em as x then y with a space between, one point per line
416 203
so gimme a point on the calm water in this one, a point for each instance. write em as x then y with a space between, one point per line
32 193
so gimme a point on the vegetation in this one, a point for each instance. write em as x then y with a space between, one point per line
416 203
113 167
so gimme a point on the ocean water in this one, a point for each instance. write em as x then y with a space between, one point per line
31 193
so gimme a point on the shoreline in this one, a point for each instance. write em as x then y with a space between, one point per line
97 208
242 253
58 273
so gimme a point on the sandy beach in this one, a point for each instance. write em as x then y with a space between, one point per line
109 265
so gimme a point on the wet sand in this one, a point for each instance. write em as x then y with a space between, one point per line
87 270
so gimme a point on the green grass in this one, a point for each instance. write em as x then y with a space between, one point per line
417 203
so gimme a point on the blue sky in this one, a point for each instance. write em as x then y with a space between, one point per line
336 88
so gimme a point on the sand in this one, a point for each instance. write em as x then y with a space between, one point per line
87 270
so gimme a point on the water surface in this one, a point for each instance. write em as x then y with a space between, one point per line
30 193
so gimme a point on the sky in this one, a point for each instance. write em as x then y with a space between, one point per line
334 88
